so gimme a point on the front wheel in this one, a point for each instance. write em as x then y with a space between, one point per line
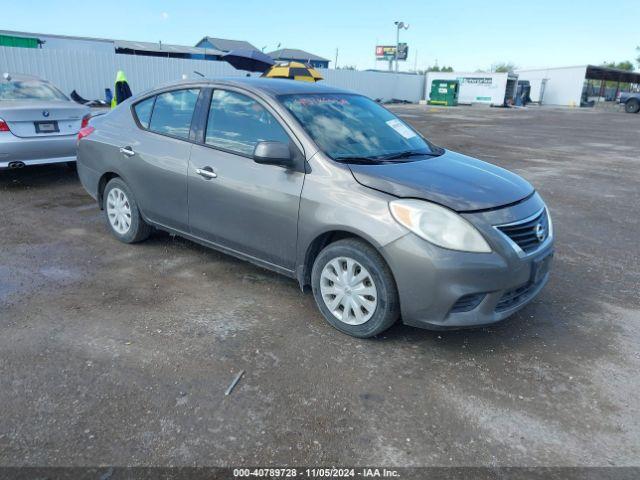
122 213
354 288
632 106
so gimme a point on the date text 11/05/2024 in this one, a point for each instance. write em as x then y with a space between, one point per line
316 472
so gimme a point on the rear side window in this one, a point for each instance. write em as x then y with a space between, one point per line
143 111
173 111
237 123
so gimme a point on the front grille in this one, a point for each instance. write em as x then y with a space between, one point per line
467 303
530 233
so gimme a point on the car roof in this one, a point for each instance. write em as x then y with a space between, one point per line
21 77
270 86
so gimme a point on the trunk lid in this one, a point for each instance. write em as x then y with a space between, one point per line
21 117
453 180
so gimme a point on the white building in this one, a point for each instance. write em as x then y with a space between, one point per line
489 88
565 85
46 41
556 86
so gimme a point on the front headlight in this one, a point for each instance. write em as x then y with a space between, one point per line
438 225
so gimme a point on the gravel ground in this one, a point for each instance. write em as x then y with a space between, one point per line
120 354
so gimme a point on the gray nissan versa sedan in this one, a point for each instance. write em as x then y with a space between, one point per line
328 187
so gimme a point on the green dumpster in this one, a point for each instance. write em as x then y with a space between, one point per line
23 42
444 92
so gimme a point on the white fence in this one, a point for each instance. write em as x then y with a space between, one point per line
384 86
89 73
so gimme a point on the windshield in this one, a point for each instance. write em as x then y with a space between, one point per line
29 90
348 126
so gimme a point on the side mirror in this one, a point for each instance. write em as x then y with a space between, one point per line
273 153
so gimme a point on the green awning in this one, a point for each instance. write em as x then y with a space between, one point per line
23 42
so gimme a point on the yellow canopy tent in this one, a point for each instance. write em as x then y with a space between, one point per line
294 71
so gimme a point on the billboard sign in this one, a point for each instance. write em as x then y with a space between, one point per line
403 51
385 52
388 52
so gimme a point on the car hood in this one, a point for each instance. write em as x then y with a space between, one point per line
454 180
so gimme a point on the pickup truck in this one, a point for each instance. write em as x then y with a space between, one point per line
631 102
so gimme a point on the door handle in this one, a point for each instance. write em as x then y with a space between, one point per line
206 172
128 151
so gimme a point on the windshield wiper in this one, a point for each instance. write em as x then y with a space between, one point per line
410 153
390 158
361 160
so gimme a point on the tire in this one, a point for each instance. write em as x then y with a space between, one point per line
357 260
632 106
120 208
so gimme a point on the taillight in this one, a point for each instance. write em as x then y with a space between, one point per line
85 132
3 126
85 121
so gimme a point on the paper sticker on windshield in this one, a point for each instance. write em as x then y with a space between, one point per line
401 128
315 100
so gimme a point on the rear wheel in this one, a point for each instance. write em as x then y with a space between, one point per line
354 288
122 213
632 106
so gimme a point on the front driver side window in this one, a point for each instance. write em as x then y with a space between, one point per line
237 123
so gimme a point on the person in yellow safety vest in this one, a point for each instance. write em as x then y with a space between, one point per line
121 90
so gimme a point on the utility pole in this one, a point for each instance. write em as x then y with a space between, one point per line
397 45
335 65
